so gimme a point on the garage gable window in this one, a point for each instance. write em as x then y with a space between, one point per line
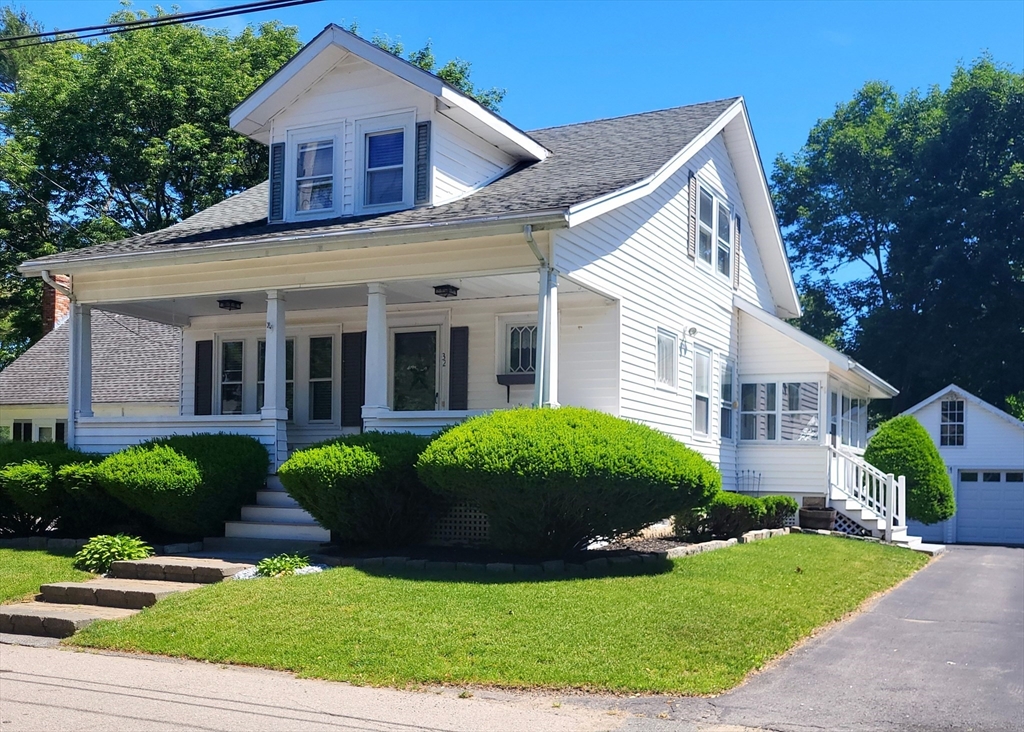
951 428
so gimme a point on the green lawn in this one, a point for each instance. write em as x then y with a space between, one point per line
698 628
23 570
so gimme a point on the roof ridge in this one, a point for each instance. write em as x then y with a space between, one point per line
634 114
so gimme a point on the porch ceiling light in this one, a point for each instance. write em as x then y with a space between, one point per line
230 304
446 290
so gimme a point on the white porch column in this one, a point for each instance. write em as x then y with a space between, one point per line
551 342
274 405
376 348
544 277
79 367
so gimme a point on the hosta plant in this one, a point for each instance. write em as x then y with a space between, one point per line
280 565
101 551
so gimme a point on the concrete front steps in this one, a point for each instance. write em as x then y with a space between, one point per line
277 517
63 608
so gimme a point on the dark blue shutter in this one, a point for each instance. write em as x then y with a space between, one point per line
423 162
203 398
277 181
353 378
458 369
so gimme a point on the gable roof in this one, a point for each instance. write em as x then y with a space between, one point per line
962 393
133 360
883 389
253 116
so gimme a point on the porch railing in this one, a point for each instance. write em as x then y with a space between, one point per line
850 476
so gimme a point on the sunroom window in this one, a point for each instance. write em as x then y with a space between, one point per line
786 412
800 411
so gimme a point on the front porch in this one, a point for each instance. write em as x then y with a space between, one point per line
291 367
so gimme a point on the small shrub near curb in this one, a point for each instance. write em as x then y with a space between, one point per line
101 551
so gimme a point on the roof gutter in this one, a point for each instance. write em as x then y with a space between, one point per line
65 291
303 243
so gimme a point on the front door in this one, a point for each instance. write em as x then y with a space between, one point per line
415 369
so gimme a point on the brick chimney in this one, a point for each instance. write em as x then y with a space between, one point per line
56 307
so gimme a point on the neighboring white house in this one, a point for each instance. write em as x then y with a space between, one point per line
136 372
983 448
415 259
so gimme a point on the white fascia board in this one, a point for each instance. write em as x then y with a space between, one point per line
248 118
967 396
298 243
587 210
883 389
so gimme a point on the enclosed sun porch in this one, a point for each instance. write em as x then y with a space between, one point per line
292 366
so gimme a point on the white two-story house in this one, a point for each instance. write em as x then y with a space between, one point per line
415 259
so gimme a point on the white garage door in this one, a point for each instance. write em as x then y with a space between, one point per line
990 507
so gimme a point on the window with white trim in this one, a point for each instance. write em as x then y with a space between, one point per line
231 376
724 241
385 162
727 396
951 428
714 237
289 376
707 225
321 379
46 434
701 391
520 348
786 412
667 360
848 420
314 175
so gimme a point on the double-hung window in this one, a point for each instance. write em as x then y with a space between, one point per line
758 415
321 379
667 360
727 395
385 163
289 376
314 176
714 237
231 374
951 428
701 391
707 225
799 411
724 240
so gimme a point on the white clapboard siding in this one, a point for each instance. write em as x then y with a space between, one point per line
109 434
990 441
462 162
789 469
765 351
637 253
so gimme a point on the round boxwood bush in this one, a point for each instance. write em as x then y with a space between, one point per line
555 480
776 510
902 446
364 488
188 484
727 515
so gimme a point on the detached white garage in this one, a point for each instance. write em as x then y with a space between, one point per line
983 448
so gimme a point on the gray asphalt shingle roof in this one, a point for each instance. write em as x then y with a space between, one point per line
587 160
133 360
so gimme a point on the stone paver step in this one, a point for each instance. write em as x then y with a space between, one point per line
177 569
55 620
111 592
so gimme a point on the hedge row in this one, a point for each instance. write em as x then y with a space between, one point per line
183 485
734 514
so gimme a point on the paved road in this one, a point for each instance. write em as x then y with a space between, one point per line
945 651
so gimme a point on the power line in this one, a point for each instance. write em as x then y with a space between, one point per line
42 39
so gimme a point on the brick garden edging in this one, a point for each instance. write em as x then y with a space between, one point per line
597 566
43 542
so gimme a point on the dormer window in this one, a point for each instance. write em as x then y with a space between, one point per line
314 179
385 162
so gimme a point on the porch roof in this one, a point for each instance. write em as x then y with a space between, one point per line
587 160
134 360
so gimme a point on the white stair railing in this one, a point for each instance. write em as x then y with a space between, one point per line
851 476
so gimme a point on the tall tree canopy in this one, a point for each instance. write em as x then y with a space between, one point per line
104 139
916 204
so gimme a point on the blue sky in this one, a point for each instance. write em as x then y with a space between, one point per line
565 62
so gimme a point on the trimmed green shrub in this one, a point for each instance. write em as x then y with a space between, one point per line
86 509
188 484
364 488
19 452
101 551
281 565
902 446
776 510
727 515
555 480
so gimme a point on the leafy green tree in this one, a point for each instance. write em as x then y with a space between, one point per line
821 317
922 198
1015 405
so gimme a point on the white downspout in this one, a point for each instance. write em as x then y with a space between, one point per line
544 273
73 356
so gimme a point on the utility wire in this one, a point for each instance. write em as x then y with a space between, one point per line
77 34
